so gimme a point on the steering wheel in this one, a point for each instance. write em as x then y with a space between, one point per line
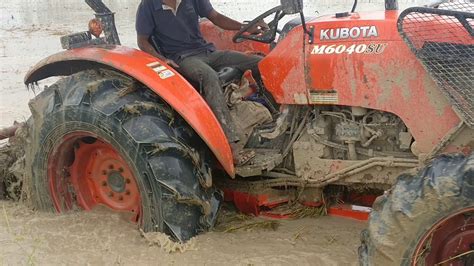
267 36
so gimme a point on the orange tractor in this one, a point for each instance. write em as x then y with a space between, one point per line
368 102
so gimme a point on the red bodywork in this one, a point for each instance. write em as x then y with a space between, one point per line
176 91
393 81
390 79
222 39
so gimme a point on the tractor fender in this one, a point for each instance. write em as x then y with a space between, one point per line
153 73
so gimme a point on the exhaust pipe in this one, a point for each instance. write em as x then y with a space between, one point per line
391 4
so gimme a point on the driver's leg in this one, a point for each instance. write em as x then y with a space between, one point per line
197 70
241 61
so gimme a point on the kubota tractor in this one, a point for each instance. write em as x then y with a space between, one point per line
376 101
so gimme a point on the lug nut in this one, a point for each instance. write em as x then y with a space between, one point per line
121 170
111 166
128 181
111 194
127 192
104 183
104 172
120 198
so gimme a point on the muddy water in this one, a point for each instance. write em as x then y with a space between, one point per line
100 237
30 31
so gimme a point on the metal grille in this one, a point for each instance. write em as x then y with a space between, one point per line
465 6
442 38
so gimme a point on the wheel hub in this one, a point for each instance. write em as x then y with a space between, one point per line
98 175
450 241
116 182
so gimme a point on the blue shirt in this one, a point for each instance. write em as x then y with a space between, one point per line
179 35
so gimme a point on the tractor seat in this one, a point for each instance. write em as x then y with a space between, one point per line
228 74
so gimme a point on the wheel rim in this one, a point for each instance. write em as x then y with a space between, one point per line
450 240
85 169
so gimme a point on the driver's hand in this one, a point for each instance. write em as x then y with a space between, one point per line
168 61
258 28
172 63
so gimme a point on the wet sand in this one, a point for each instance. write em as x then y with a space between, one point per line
104 238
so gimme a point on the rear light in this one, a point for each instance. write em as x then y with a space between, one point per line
95 27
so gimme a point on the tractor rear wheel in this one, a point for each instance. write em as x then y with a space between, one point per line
101 138
426 219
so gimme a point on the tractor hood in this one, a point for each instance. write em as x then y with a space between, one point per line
368 26
358 60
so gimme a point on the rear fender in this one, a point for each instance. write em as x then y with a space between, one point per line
156 75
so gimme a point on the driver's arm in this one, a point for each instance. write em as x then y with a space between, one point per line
227 23
145 27
223 22
145 45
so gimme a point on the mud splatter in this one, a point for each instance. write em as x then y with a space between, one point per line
436 98
392 78
166 244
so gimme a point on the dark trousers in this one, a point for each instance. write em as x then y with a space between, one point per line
202 68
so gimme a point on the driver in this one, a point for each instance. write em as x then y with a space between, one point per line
174 25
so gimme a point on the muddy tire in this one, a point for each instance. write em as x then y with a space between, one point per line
101 138
409 225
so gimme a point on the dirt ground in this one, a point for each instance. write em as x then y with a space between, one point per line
30 31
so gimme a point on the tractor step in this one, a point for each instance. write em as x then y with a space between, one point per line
356 212
257 204
264 161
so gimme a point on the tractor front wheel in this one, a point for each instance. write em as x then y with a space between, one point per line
426 219
101 138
